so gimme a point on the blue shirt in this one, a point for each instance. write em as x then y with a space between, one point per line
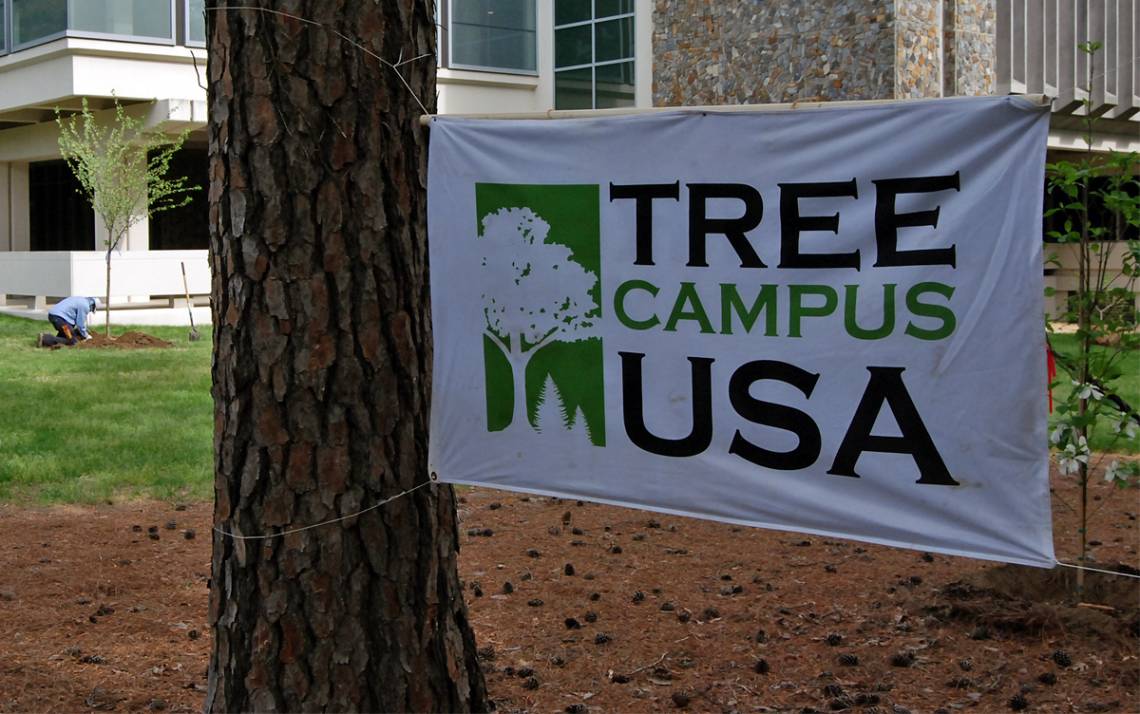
74 310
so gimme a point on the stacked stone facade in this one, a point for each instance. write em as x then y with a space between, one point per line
708 52
969 29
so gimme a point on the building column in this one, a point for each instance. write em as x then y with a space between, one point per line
19 216
14 234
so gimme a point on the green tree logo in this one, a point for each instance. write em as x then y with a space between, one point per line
540 279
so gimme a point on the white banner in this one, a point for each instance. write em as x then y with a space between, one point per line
825 321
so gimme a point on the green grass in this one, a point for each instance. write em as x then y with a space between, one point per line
86 426
1127 386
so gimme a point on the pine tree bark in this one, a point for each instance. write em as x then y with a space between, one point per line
322 360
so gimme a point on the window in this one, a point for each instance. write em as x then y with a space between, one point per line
3 27
593 54
195 22
59 216
35 21
127 18
497 35
186 227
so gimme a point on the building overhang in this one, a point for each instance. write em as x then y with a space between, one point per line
36 83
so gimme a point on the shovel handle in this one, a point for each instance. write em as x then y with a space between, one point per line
186 289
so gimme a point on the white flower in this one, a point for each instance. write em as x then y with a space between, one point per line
1059 434
1087 391
1110 473
1125 426
1075 454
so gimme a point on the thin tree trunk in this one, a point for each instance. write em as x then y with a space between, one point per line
322 359
107 302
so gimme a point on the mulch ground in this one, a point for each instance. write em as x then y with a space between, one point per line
581 607
125 341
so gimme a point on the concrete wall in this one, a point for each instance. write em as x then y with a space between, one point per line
15 228
55 274
72 67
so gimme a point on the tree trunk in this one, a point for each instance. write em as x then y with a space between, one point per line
107 304
322 359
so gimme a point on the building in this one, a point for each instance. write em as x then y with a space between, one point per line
499 56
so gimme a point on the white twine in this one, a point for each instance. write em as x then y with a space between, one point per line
373 507
1097 570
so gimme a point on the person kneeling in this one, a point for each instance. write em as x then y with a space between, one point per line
69 318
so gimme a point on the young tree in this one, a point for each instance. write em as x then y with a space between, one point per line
1103 308
322 364
547 298
122 171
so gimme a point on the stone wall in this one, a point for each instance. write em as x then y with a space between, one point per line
969 28
757 51
918 48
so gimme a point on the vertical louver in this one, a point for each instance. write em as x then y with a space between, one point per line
1037 53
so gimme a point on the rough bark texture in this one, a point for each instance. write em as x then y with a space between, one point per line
322 362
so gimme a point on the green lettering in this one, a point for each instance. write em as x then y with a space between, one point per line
923 309
730 302
619 304
851 308
687 295
797 310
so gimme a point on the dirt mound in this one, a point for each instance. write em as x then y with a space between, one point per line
125 341
1015 599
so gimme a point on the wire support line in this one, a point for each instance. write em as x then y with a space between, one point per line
373 507
1097 570
394 66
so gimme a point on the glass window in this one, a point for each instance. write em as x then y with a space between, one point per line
35 19
493 34
593 54
574 89
615 85
572 46
3 28
128 18
613 39
568 11
607 8
196 21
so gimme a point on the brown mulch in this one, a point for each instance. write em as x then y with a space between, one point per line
125 341
614 610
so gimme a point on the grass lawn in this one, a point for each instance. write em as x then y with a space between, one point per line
85 426
1127 387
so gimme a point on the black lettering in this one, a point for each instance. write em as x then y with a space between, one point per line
701 226
792 224
777 415
634 415
643 195
886 385
887 222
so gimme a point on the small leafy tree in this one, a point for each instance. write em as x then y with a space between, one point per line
122 172
1103 308
546 297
